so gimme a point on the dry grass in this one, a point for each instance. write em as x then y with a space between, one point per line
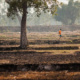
31 56
62 75
67 35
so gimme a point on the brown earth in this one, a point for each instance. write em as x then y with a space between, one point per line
62 75
40 52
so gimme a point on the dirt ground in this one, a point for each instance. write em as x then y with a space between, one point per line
42 50
62 75
39 54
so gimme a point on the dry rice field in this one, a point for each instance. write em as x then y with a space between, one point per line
40 51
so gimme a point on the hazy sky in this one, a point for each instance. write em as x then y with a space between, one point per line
64 1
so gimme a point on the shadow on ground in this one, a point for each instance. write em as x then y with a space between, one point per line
17 42
41 48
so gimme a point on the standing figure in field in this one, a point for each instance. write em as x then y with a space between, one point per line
60 34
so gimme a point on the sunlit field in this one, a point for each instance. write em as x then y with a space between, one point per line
66 35
64 75
41 50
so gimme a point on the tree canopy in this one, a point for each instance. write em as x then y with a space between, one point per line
39 5
68 13
22 6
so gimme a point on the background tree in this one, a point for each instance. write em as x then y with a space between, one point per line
2 11
68 13
22 7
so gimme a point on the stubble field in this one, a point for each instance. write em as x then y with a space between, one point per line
44 48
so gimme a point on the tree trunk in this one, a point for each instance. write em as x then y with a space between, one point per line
23 38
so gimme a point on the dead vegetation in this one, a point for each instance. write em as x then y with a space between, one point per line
43 49
62 75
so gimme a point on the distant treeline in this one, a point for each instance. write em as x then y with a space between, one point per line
53 28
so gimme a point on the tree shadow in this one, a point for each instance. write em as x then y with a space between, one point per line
15 50
57 48
9 48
